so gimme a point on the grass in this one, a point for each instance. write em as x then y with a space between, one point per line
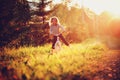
78 62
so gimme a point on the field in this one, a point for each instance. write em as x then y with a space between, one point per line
80 61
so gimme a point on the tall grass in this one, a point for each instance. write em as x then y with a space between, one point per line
79 60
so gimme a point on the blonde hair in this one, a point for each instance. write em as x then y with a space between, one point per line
54 17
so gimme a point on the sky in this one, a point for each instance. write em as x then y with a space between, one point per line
98 6
103 5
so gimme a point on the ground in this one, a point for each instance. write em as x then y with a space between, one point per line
89 62
111 66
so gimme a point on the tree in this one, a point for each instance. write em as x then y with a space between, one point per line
13 16
22 11
39 34
42 9
104 20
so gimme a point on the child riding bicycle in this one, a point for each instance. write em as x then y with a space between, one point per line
56 30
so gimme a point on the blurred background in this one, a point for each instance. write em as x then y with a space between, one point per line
25 22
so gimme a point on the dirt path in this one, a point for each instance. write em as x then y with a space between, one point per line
111 66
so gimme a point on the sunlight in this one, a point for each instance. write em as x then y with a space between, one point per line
47 8
115 15
56 1
99 6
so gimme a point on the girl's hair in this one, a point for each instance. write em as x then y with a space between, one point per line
54 17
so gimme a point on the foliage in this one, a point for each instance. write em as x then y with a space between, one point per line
41 9
109 30
33 35
22 11
104 21
37 35
80 62
13 18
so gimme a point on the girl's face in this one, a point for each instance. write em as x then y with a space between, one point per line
54 21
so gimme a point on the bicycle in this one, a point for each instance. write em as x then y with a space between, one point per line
58 44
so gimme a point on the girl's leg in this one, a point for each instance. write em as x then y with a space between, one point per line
63 39
54 41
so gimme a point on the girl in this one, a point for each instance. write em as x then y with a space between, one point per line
56 30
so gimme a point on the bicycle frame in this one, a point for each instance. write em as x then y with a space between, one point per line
58 44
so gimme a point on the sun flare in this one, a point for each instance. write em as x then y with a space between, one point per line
99 6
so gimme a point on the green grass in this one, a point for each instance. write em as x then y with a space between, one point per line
80 60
